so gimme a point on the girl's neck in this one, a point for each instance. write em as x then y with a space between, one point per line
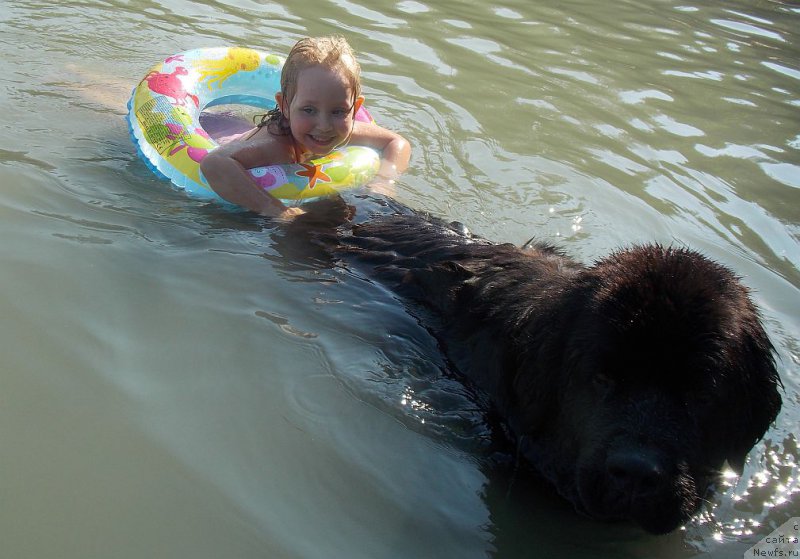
299 154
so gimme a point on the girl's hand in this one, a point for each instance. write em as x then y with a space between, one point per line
380 185
290 213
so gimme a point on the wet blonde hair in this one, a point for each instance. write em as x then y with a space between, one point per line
333 52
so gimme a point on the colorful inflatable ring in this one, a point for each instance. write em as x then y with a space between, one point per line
164 121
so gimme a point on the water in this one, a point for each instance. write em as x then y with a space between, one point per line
176 384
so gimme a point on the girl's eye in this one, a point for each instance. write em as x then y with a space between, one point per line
308 110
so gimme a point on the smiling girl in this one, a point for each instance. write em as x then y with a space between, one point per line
315 114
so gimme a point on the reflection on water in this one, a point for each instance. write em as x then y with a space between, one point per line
176 383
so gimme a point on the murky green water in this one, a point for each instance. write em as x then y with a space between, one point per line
173 385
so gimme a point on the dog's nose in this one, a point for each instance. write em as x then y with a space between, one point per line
636 473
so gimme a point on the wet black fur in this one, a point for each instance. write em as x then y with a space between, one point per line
627 383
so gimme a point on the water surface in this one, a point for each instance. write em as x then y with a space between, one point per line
176 384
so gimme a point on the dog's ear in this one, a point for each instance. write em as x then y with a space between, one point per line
758 399
534 402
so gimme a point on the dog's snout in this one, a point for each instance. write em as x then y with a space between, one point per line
636 473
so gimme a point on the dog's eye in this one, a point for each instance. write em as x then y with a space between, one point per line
702 398
603 382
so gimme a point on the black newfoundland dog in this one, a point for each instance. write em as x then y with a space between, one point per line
627 384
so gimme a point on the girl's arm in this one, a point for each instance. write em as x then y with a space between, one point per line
225 169
395 149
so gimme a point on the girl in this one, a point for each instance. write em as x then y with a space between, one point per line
315 114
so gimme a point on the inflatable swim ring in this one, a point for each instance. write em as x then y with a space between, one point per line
164 122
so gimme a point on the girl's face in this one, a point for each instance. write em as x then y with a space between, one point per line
322 110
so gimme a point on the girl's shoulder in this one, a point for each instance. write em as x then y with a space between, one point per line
257 148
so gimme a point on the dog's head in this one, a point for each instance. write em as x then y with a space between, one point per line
669 374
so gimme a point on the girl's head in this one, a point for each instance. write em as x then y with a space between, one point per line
320 94
333 53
